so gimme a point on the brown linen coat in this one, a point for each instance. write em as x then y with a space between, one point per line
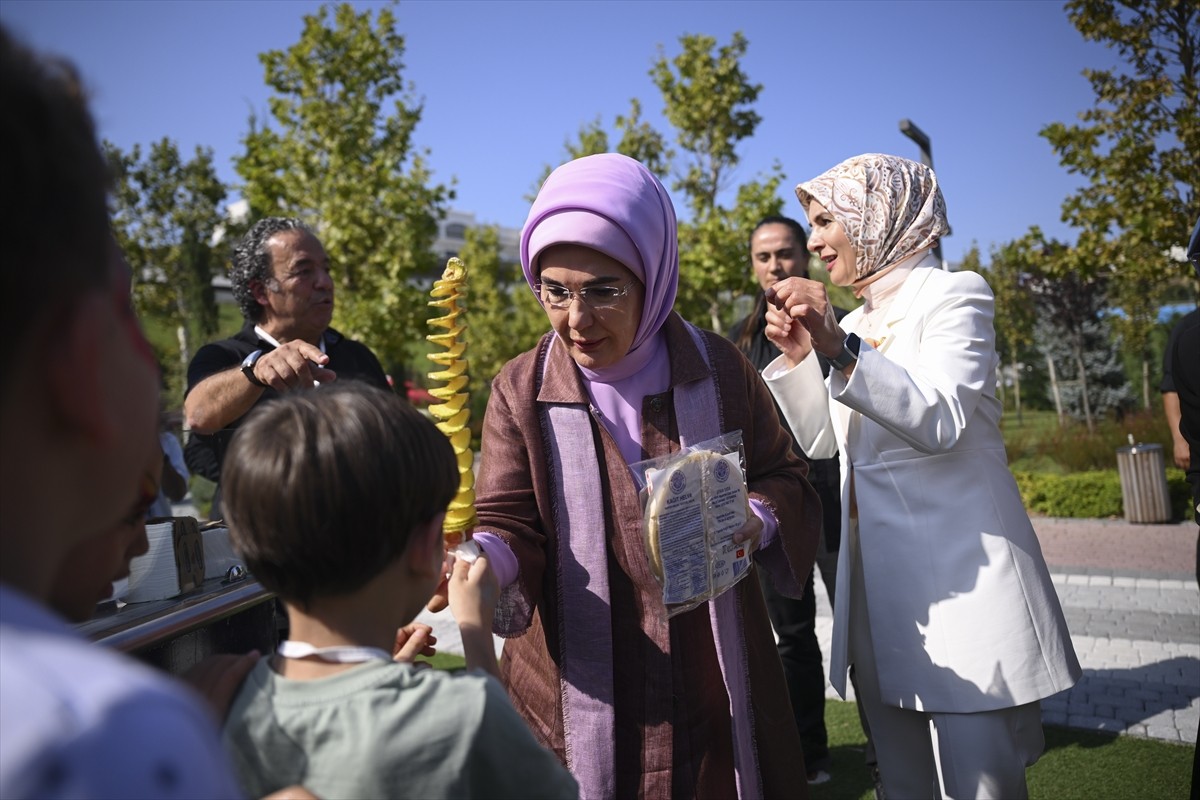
673 734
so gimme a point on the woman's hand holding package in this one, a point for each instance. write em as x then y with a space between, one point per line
750 533
805 301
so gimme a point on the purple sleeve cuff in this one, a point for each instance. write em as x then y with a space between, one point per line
770 524
501 557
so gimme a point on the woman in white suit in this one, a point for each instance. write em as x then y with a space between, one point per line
951 621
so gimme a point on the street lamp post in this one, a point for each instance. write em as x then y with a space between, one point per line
909 129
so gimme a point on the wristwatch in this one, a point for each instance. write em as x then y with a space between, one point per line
248 368
848 354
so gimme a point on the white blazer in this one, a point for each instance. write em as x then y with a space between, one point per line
962 611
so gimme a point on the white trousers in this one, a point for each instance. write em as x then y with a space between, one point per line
940 755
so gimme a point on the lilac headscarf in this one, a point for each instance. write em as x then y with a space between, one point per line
613 204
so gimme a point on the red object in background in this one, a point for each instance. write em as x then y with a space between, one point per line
416 394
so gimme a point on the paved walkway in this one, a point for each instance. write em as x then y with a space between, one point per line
1130 597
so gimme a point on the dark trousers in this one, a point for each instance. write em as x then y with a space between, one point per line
795 625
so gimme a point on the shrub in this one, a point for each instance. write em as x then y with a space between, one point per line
1075 450
1080 494
1091 494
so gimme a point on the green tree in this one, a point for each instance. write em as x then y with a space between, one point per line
166 214
341 155
709 101
504 318
1139 150
639 140
1009 273
592 140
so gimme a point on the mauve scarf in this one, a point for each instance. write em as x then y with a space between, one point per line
584 622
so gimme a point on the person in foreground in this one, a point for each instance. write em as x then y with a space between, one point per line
78 416
86 575
634 703
945 606
335 499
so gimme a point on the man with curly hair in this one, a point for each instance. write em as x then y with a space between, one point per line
281 280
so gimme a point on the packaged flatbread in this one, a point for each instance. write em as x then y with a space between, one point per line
694 502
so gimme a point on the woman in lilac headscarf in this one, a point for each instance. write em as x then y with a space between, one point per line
633 703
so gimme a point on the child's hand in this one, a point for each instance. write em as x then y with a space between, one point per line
414 639
474 592
440 598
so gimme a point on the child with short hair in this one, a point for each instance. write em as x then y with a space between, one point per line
335 499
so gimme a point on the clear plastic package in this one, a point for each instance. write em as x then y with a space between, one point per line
693 502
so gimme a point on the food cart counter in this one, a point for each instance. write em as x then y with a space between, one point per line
218 616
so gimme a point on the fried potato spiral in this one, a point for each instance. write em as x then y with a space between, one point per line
453 412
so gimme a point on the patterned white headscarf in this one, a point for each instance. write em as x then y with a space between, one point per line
889 207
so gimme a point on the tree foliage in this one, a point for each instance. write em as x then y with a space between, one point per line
1011 273
340 155
503 316
1139 150
709 101
166 212
639 140
1073 333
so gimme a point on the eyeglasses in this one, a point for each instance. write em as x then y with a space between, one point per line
594 297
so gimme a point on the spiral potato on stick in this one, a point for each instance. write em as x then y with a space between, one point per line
453 412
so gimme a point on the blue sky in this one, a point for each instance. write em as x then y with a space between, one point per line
506 83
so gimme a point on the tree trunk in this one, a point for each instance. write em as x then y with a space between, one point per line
185 339
1077 351
185 346
1145 382
1017 388
714 313
1054 390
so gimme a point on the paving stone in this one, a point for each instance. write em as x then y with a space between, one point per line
1130 714
1096 723
1166 732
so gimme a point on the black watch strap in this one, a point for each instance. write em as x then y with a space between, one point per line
248 369
848 354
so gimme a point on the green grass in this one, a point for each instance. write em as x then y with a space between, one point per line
446 661
1076 764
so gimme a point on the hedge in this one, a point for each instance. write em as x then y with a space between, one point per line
1092 494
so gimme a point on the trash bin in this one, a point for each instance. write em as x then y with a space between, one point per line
1144 483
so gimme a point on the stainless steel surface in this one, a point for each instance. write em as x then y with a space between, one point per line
137 626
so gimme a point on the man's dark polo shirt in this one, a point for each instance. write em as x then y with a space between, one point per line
351 360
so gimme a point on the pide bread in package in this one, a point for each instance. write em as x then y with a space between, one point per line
694 502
